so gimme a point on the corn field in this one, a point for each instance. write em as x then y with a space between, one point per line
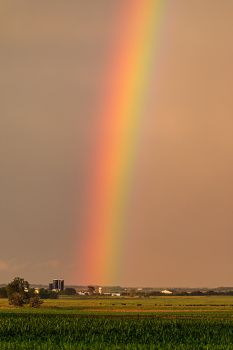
60 331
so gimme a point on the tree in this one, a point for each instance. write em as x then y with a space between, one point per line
3 292
196 293
47 294
211 292
69 291
16 299
18 285
18 292
35 301
132 292
91 290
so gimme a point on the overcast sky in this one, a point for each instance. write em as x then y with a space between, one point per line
52 60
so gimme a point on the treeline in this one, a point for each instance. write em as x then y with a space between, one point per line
18 285
19 293
42 293
182 293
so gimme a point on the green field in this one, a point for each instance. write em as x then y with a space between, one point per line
120 323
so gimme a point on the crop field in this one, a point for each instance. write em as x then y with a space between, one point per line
119 323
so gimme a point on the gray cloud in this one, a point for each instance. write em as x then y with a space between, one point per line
53 58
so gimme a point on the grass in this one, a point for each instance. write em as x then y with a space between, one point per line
120 323
198 305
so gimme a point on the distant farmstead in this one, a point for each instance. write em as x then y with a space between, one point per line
57 285
166 292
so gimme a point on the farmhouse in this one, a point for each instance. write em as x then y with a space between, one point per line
166 292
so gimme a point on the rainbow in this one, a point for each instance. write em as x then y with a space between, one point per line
123 99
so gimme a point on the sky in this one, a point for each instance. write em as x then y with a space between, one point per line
52 64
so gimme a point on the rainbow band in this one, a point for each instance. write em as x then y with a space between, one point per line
123 102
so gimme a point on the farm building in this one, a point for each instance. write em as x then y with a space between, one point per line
166 292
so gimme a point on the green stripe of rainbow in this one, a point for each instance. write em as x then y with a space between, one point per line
123 102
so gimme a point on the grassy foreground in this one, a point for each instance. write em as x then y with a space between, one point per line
156 323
